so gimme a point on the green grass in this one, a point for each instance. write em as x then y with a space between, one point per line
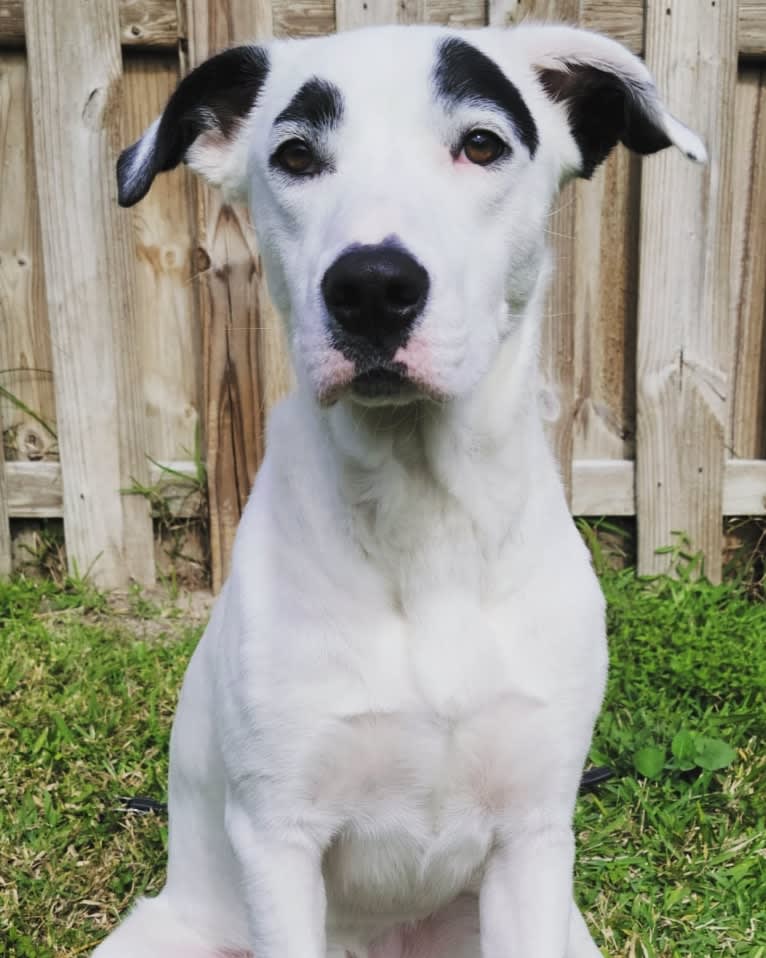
673 867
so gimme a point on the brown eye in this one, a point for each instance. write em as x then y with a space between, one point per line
483 147
295 157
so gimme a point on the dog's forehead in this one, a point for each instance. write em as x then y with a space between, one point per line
369 65
378 72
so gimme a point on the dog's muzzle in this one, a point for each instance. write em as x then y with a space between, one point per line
374 295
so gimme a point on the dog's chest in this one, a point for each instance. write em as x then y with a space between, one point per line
422 777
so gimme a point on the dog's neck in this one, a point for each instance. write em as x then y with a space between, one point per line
425 481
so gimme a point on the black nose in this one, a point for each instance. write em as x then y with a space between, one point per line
376 292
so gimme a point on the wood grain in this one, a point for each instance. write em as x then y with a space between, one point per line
454 13
245 368
143 23
752 28
149 23
746 436
34 490
558 340
351 14
155 23
11 23
169 340
684 296
605 293
303 18
75 72
622 20
744 491
25 349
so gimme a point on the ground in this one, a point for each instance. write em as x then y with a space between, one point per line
672 850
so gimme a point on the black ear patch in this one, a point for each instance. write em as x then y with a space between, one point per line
603 109
214 96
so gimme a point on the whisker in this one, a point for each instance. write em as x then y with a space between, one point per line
559 209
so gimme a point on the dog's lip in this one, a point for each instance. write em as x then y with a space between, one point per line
381 381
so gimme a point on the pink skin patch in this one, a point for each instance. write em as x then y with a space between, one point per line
332 375
452 931
416 359
334 372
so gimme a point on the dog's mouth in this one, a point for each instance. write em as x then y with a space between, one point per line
386 384
382 382
379 382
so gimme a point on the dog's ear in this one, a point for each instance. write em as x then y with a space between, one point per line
200 125
608 94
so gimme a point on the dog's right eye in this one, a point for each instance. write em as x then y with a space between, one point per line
296 158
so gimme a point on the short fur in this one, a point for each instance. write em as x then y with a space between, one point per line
380 736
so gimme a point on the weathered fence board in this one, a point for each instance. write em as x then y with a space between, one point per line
304 18
747 408
684 299
751 41
166 322
600 487
145 23
74 71
25 350
156 23
239 331
605 271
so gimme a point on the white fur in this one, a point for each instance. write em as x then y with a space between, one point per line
380 736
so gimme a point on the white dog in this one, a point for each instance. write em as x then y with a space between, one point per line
380 737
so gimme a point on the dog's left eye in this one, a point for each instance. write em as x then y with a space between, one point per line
483 147
295 157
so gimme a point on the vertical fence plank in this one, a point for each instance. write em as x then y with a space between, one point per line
684 298
75 74
558 338
166 322
25 348
351 14
245 365
606 279
747 405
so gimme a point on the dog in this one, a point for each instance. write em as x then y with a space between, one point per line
379 740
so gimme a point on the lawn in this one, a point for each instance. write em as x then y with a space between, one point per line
672 865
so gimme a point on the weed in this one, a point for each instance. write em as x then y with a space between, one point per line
179 503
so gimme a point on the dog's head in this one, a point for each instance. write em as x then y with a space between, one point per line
399 180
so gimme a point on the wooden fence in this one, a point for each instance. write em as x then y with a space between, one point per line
123 334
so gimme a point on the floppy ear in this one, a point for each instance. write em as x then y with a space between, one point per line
200 125
608 94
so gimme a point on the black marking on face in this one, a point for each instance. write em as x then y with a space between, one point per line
603 108
318 106
464 74
214 97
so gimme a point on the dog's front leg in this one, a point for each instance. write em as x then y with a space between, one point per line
526 895
282 884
